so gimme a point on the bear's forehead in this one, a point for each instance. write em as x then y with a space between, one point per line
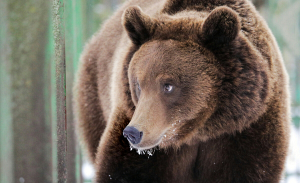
170 51
181 26
154 58
178 29
167 58
160 54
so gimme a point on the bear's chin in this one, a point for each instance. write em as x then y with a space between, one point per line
146 148
148 151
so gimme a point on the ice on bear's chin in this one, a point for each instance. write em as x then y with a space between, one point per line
148 152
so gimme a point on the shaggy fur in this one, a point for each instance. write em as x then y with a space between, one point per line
227 119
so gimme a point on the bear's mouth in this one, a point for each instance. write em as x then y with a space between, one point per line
147 145
149 152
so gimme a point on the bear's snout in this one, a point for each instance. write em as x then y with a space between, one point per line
132 134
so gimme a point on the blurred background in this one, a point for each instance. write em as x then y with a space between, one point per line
40 45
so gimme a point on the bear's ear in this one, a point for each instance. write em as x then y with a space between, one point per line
220 27
138 25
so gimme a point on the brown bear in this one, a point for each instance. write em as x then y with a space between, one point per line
200 82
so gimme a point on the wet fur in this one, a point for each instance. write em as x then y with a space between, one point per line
245 136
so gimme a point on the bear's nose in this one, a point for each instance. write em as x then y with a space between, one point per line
132 134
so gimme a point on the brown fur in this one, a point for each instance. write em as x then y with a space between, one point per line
227 119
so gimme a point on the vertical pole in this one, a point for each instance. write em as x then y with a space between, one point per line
6 135
50 97
60 65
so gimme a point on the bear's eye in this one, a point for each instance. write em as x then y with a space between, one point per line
168 88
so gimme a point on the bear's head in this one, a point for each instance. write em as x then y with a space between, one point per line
193 77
